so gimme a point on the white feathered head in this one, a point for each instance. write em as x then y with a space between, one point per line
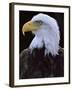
46 32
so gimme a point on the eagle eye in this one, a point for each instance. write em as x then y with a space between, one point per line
39 21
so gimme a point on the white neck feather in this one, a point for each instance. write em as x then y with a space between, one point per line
49 38
47 35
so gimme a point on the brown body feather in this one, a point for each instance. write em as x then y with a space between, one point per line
37 65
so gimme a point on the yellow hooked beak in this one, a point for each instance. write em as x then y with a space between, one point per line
30 26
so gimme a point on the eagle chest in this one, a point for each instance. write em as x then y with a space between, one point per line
37 65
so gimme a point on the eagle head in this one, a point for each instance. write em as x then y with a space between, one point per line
46 32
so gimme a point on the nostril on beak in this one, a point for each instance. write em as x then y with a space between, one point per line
29 24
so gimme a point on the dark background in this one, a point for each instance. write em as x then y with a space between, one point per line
24 16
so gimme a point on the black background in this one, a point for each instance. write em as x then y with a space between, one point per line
25 16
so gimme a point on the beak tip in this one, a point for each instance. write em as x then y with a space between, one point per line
23 33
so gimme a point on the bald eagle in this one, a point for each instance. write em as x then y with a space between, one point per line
44 56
